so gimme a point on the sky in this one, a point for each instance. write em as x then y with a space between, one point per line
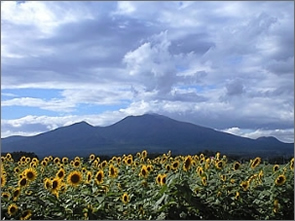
224 65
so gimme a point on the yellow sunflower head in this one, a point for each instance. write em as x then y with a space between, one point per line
23 182
255 162
91 157
16 192
163 179
292 164
65 160
219 164
113 171
12 209
175 165
56 160
88 177
245 185
104 164
204 181
236 165
61 173
30 174
187 163
144 154
158 179
99 177
275 168
125 198
76 163
55 185
144 171
26 215
47 183
280 180
5 195
3 180
74 178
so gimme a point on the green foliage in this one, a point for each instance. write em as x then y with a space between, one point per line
141 187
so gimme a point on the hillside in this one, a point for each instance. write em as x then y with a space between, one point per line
155 133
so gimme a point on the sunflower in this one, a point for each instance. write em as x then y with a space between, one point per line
292 164
28 159
255 162
223 178
30 174
76 163
8 156
129 161
12 209
47 183
55 185
125 198
149 167
217 156
3 180
260 175
276 206
91 157
175 165
237 195
16 192
245 185
104 164
63 187
144 171
74 178
144 154
275 168
187 163
50 158
163 179
84 170
88 177
113 171
99 177
204 181
219 164
159 178
280 180
26 215
33 164
236 165
44 163
5 195
200 171
61 173
168 167
23 182
65 160
56 160
164 159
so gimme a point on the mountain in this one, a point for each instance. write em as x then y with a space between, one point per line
155 133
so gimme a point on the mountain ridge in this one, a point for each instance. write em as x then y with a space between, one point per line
156 133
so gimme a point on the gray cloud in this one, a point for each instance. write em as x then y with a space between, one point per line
216 64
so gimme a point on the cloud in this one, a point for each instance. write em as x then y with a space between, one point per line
285 135
217 64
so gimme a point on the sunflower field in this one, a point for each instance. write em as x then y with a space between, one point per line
136 187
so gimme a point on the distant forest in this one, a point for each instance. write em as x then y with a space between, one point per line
272 160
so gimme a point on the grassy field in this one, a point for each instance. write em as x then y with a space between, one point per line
136 187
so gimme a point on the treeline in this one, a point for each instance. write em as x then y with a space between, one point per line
208 153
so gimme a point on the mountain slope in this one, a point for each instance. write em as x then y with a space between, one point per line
153 132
